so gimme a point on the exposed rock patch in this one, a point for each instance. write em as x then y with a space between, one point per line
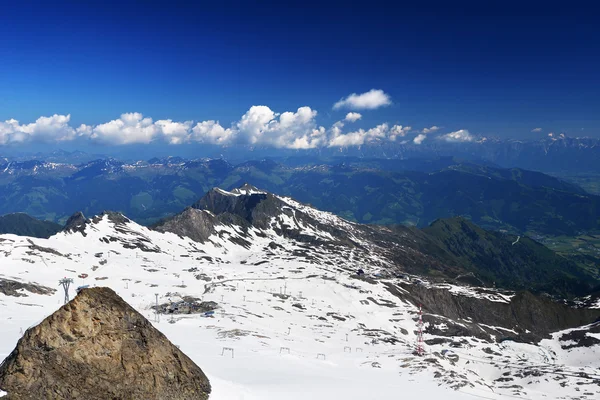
8 287
99 347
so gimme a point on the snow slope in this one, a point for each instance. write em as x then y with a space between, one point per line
287 326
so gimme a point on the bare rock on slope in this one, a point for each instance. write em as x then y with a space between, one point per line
98 347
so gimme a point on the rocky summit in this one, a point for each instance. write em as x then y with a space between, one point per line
98 347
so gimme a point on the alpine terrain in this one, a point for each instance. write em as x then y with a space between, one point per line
275 299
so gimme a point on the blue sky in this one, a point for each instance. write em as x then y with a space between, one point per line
477 70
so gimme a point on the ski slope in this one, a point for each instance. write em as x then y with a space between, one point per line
287 326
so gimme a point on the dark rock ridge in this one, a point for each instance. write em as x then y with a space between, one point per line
76 223
98 347
9 287
526 317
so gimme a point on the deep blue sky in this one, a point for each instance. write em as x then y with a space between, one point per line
490 71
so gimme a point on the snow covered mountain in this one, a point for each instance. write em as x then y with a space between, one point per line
294 318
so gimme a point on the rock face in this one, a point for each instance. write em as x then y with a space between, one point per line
526 317
98 347
76 223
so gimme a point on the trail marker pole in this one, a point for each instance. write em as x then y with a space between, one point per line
156 309
420 346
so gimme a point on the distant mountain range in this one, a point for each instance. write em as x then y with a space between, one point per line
381 191
551 153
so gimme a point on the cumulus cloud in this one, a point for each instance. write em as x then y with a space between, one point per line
462 135
262 126
259 126
370 100
359 137
84 130
430 130
398 131
45 129
8 128
212 132
420 138
353 116
255 122
130 128
536 130
174 132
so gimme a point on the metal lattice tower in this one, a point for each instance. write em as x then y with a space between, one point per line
420 345
66 282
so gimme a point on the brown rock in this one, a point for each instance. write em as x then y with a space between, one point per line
98 347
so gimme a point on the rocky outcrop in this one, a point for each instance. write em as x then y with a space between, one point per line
76 223
196 224
98 347
9 287
526 317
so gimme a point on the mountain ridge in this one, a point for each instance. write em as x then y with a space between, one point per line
447 248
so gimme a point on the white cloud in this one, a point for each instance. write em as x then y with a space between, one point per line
420 138
398 131
262 126
212 132
255 122
259 126
130 128
8 129
536 130
429 130
44 129
84 130
359 137
353 116
462 135
174 132
370 100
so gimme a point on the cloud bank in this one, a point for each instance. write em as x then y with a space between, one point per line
45 129
259 126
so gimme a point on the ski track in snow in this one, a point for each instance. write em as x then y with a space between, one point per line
279 342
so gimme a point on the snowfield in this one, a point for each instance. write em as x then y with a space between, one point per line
286 326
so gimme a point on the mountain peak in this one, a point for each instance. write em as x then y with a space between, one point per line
75 223
247 189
